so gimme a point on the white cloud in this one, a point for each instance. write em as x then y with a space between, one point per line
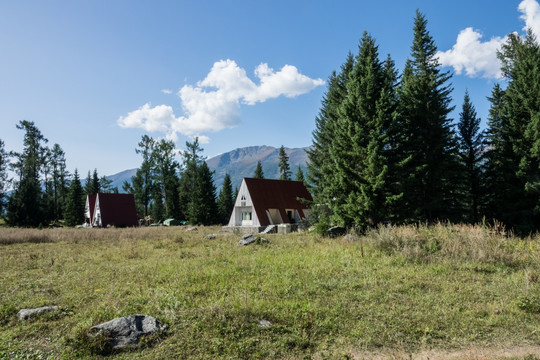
150 119
214 103
469 53
530 13
166 91
479 58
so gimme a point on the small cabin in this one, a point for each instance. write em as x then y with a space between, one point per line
264 202
103 210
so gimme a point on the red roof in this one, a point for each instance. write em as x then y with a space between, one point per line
277 194
117 209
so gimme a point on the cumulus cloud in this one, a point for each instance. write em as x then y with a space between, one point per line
473 56
530 13
479 58
214 103
166 91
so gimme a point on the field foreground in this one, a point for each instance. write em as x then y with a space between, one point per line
447 292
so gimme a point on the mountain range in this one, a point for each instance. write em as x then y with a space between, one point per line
239 163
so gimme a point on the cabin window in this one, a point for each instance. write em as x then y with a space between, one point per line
243 200
246 215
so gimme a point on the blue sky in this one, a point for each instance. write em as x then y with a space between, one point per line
96 75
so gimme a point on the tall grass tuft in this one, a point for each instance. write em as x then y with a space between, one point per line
457 242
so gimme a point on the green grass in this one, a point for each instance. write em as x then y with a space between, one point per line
402 288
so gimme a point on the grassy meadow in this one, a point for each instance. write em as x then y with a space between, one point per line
396 290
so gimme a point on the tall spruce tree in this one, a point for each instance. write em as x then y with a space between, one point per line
320 172
358 161
258 174
59 181
74 213
192 160
426 147
471 143
284 167
521 66
26 207
92 184
225 201
4 178
498 170
202 209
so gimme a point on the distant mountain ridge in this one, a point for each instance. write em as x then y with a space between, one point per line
239 163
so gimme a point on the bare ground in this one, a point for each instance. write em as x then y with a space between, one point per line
529 352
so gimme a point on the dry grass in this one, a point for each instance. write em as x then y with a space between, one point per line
397 290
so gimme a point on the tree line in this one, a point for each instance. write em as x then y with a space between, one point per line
386 151
45 193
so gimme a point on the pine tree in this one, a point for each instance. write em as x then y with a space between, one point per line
166 170
300 175
258 174
74 213
92 184
59 181
426 147
143 181
498 170
189 175
521 66
320 172
4 179
203 209
225 202
26 207
471 143
358 161
284 167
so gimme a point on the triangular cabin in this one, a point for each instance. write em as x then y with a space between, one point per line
264 202
103 210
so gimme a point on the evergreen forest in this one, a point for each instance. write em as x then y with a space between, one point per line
386 151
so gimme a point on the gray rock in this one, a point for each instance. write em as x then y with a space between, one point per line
210 237
252 239
265 324
247 239
336 231
25 314
126 331
193 228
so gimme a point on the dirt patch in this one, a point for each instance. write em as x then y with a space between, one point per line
529 352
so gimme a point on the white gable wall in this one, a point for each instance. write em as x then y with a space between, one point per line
242 205
97 214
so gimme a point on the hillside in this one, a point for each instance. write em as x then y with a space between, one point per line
239 163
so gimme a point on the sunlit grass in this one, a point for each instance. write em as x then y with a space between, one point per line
403 288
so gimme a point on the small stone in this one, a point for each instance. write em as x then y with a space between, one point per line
265 324
193 228
126 331
247 239
25 314
210 237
